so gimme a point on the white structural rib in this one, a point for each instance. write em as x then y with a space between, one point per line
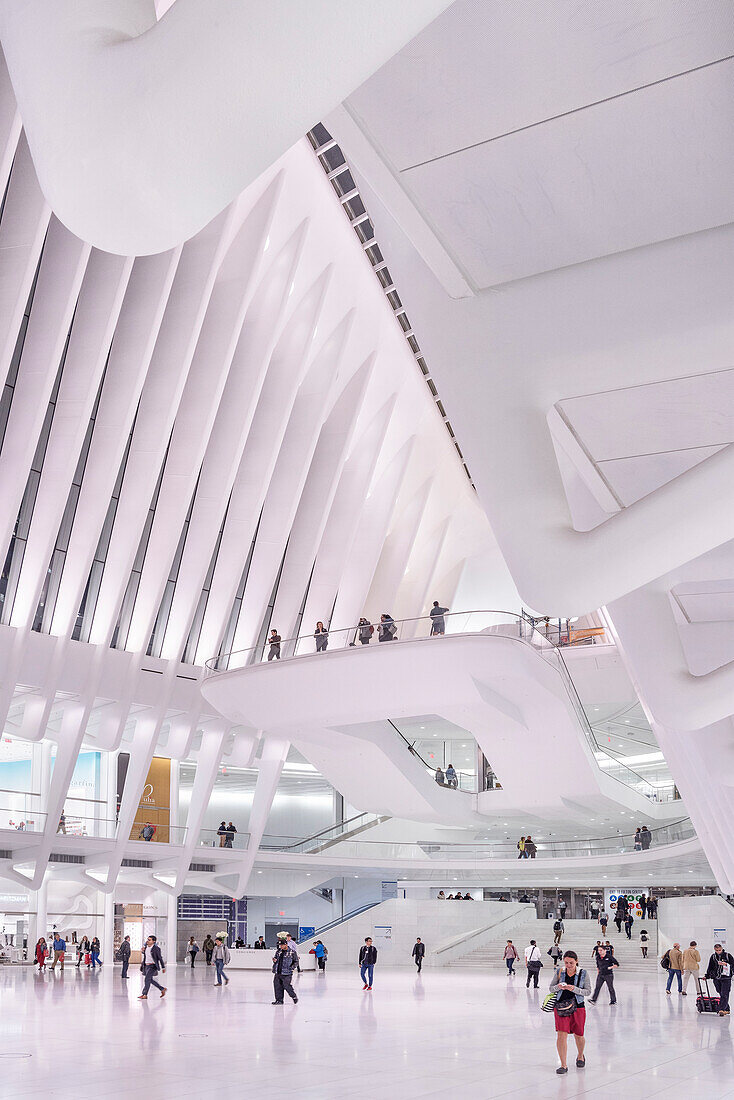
143 309
59 280
24 223
96 316
161 159
159 401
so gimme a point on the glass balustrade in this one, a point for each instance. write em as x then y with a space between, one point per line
212 838
18 812
622 843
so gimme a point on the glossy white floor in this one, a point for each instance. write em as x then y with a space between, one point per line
445 1035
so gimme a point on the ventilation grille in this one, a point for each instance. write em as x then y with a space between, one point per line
5 853
59 857
201 867
136 863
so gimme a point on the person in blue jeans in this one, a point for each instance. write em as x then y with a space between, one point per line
676 965
95 950
221 959
367 960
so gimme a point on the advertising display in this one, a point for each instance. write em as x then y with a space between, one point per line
153 809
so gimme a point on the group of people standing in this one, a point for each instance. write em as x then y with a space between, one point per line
526 847
226 834
387 631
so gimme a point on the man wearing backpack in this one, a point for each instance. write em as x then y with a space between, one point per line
558 930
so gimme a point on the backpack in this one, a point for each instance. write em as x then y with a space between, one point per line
665 961
557 926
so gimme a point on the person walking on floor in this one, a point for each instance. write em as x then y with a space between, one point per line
321 634
84 951
367 962
510 956
208 947
192 950
221 958
691 960
438 623
558 930
533 964
571 986
59 950
274 641
720 969
603 921
41 954
643 906
95 950
419 952
675 957
644 937
606 964
555 953
151 966
283 966
125 952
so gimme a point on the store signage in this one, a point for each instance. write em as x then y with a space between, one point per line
719 935
633 898
13 899
389 890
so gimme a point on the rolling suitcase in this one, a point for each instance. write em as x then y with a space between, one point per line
706 1002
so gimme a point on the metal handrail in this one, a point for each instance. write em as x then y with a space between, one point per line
210 666
339 920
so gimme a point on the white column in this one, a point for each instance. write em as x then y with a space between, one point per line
108 931
37 924
169 947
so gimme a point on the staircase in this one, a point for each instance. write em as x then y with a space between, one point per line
580 935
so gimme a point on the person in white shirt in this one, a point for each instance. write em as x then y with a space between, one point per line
152 963
533 963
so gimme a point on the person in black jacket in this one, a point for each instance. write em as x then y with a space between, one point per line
367 960
605 963
721 968
284 963
125 950
151 965
419 951
260 945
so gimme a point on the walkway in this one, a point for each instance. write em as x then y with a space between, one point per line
448 1034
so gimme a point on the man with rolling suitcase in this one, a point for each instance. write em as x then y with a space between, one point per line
720 969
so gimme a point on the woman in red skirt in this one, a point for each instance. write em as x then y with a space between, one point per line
571 986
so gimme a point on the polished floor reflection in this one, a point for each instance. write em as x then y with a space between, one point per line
444 1035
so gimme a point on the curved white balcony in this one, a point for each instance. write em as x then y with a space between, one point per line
491 675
